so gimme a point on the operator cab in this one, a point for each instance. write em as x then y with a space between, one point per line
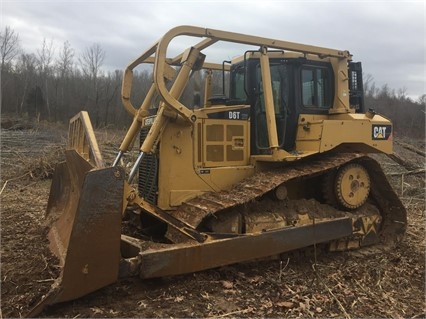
299 86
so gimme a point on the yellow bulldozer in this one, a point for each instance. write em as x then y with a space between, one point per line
276 163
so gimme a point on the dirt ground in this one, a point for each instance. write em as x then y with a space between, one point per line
373 282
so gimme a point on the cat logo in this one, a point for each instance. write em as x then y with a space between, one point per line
381 132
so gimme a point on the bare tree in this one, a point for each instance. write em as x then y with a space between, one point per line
45 56
9 46
65 61
26 71
44 60
422 100
64 66
402 94
91 62
111 87
9 49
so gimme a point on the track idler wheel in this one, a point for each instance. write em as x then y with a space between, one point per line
352 186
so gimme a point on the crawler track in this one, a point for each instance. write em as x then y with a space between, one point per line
393 213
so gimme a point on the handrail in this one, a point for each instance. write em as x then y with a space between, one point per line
217 35
81 138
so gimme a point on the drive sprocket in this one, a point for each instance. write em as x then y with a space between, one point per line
352 186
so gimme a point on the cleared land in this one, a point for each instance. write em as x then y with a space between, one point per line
373 282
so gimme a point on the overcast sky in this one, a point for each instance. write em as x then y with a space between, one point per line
388 37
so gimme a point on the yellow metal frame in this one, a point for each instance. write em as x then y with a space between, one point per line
81 138
191 60
182 131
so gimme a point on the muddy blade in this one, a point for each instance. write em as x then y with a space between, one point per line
86 236
93 251
65 190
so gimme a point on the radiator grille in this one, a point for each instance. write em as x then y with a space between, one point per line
148 174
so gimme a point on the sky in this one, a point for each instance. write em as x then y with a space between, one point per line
388 37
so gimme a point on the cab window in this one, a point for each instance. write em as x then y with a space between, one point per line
237 84
316 87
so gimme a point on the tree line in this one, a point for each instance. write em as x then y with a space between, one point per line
408 116
54 87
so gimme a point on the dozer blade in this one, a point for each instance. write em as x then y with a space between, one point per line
86 236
